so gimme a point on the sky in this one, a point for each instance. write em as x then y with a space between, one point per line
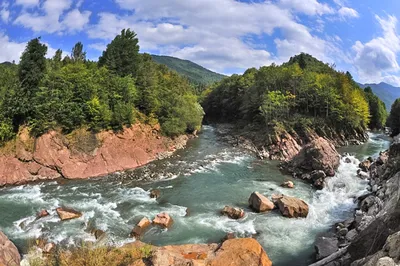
226 36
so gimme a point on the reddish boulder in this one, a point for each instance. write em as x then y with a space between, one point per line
287 184
233 213
232 252
292 207
163 220
260 203
42 213
140 228
320 154
9 254
276 197
67 213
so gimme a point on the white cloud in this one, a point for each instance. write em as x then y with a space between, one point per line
10 50
76 20
215 35
376 59
5 15
309 7
27 3
52 20
347 12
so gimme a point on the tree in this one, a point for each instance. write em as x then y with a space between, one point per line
122 54
394 118
377 110
31 71
78 55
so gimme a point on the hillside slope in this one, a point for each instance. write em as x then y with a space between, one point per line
386 92
194 72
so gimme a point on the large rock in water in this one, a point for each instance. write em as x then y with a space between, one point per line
67 213
233 213
292 207
163 220
260 203
320 154
233 252
9 255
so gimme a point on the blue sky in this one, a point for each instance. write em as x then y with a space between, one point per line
226 36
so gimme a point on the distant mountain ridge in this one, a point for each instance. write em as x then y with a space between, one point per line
193 72
386 92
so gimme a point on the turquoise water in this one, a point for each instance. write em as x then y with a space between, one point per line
205 177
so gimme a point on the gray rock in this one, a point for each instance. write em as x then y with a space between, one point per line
343 232
326 246
392 246
351 235
386 261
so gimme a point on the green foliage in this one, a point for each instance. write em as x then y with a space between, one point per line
300 91
394 118
122 54
75 93
78 55
377 109
199 76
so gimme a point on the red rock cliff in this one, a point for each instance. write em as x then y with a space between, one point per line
82 154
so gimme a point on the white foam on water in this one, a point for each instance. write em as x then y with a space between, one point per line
243 226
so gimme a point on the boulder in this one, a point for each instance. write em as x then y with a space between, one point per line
140 228
392 246
49 248
260 203
365 165
9 254
155 193
163 220
320 154
232 252
233 213
287 184
42 213
383 158
240 252
275 198
326 246
98 233
67 213
386 261
292 207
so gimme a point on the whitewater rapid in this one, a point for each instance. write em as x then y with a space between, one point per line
204 178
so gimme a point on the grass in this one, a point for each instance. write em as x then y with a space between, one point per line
94 256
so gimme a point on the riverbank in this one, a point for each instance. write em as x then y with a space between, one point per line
280 144
82 154
203 178
372 235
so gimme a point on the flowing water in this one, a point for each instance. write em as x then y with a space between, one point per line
205 177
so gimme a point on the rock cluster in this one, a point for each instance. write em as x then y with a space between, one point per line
315 162
372 236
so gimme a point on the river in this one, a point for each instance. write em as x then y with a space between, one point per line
205 177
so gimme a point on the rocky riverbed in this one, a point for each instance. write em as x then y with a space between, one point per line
372 236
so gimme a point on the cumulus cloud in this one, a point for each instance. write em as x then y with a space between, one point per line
27 3
189 30
378 57
51 20
347 12
309 7
9 50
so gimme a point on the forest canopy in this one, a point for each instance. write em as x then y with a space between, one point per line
73 92
301 93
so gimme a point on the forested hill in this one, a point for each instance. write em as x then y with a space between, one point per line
70 92
301 94
195 73
384 91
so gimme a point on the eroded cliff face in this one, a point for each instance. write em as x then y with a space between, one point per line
283 145
82 154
